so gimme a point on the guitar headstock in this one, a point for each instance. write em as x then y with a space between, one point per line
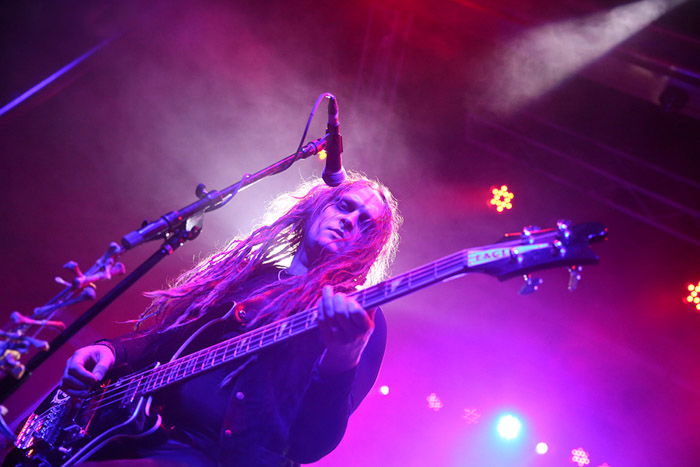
535 249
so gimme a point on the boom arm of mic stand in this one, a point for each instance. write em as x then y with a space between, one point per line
172 227
212 200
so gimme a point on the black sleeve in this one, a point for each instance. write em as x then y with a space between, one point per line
137 350
330 399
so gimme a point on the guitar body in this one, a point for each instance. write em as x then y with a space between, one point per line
65 431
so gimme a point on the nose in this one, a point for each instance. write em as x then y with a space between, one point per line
348 221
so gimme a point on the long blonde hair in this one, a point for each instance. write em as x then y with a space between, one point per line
215 279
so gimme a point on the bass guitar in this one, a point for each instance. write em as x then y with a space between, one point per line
65 430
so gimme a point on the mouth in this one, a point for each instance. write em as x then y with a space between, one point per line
337 232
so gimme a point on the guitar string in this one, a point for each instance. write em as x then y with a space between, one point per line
116 393
214 356
430 269
260 340
258 334
297 324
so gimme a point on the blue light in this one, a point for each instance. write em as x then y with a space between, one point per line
509 427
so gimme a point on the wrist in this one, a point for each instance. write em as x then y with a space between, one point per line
109 345
336 360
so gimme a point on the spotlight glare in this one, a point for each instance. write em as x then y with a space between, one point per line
541 448
434 402
693 297
509 427
580 457
501 198
471 415
384 390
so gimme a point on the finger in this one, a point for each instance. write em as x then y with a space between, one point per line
340 306
340 321
326 302
324 308
100 371
73 384
81 374
359 316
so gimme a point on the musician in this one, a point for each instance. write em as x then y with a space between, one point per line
286 404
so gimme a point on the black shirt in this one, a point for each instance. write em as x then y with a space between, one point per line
271 408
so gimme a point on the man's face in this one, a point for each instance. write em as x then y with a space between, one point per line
342 223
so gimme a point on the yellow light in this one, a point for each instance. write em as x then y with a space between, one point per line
693 297
322 155
501 198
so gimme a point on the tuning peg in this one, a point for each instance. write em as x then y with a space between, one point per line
19 318
73 266
107 273
10 363
22 343
564 228
574 277
81 281
201 191
531 284
88 293
527 233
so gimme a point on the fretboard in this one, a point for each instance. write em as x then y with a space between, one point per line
245 344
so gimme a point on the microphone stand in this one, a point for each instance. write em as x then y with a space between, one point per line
175 227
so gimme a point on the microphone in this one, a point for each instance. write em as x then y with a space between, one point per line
333 173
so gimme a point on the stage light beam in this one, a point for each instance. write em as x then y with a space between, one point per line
543 57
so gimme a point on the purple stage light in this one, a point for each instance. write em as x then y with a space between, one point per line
384 390
542 448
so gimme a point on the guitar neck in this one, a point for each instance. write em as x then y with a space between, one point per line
267 335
